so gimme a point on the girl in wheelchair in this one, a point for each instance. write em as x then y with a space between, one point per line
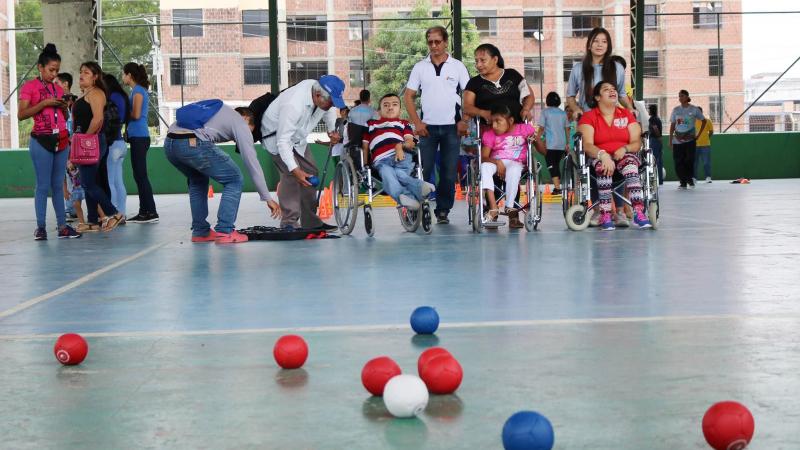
611 140
387 140
504 152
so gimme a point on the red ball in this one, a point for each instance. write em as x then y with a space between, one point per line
728 426
442 374
70 349
377 372
429 354
290 351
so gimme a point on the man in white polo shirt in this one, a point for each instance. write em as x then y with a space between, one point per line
441 78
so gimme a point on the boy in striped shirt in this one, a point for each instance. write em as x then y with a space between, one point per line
386 140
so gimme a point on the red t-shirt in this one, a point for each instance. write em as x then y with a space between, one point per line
50 118
609 138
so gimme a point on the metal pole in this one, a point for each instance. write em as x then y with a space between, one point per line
363 56
762 94
180 45
720 101
541 65
274 57
637 48
456 9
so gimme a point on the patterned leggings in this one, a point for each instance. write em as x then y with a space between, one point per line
628 166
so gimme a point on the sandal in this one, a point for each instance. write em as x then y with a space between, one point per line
112 222
87 228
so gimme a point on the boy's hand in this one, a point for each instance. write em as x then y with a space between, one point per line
399 155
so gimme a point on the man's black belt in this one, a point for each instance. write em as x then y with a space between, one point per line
181 136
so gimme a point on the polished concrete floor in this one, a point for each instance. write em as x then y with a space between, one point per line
622 339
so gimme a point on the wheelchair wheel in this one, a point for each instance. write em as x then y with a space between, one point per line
652 213
345 196
410 219
577 218
474 198
368 221
568 185
427 218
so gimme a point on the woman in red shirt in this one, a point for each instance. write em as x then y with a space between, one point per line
611 140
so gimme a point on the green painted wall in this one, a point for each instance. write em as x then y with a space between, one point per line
751 155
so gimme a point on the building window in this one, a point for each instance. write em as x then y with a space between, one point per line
651 64
256 71
762 123
485 22
356 73
186 75
306 70
258 29
532 24
533 70
568 63
716 107
358 23
192 17
716 62
306 28
703 14
650 17
582 23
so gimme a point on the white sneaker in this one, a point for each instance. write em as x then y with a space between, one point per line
408 202
621 220
691 186
427 188
708 179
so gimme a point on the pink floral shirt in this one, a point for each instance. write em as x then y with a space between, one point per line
511 145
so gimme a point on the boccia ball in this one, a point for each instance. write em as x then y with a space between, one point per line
405 396
528 430
728 426
70 349
442 374
377 372
429 354
290 351
424 320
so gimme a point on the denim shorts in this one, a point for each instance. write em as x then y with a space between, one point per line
77 194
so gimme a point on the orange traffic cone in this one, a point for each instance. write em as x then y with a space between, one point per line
546 189
459 192
210 191
325 209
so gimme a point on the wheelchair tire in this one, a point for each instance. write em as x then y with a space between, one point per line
409 219
427 218
345 196
652 213
368 225
577 218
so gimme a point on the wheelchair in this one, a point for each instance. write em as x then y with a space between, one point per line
353 174
530 177
577 178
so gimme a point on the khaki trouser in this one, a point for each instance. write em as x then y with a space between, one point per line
297 202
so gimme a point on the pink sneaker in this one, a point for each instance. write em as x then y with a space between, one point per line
234 237
210 237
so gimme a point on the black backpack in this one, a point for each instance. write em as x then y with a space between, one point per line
259 107
112 121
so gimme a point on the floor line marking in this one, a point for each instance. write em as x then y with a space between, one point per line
82 280
405 326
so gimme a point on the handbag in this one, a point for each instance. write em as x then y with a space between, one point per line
85 149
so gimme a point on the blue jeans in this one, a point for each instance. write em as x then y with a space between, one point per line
396 178
702 154
199 163
658 151
445 138
116 155
50 169
95 195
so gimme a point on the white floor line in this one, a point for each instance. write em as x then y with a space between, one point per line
405 326
82 280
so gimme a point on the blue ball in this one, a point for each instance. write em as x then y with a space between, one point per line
528 430
313 180
424 320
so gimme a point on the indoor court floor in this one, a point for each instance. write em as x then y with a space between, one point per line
622 339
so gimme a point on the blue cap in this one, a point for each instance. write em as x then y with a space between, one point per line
335 86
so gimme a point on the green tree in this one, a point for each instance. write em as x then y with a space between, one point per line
398 45
29 42
125 44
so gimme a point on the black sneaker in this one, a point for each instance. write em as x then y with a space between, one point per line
144 218
557 191
68 233
327 227
441 218
40 234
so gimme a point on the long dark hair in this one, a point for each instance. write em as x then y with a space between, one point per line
593 103
609 66
48 54
96 70
492 51
138 73
113 86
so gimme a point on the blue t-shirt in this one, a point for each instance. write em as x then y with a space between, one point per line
575 85
554 121
361 114
683 120
119 100
138 127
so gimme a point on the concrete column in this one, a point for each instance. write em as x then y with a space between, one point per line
68 24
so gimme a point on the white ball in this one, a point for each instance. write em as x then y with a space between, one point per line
405 396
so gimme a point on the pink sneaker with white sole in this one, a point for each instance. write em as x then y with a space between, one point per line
234 237
210 237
